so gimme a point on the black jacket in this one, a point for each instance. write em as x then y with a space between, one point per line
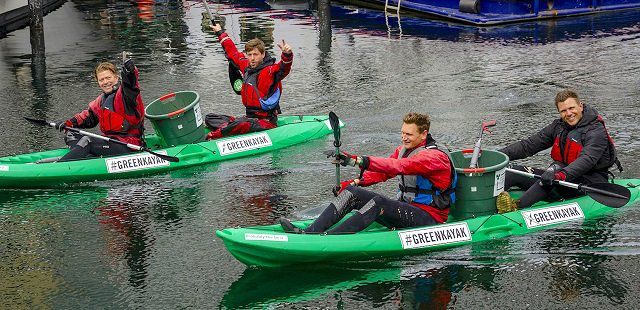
595 153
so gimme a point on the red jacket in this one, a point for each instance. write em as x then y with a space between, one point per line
269 76
120 113
432 164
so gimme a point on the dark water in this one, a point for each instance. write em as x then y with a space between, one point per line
149 243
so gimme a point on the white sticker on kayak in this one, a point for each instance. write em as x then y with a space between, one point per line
266 237
135 162
4 168
498 184
552 215
434 235
244 143
196 110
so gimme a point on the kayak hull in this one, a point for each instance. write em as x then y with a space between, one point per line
21 171
269 246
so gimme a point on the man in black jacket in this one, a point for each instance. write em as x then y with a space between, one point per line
581 149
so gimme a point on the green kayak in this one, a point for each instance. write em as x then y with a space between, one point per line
269 246
23 171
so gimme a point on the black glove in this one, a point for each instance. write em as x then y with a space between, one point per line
548 177
128 66
61 125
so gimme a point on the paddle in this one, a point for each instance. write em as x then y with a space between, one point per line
476 147
206 7
93 135
235 76
335 126
608 194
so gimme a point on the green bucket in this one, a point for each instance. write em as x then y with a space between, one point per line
177 119
477 188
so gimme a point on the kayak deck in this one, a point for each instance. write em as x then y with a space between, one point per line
269 246
22 171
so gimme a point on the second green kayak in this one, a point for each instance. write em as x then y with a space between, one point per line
270 246
22 171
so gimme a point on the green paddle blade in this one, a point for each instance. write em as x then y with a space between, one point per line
608 194
235 78
334 121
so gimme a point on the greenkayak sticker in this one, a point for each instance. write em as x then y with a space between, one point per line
4 168
434 235
244 143
135 162
266 237
553 215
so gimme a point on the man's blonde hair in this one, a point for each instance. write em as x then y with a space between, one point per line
105 66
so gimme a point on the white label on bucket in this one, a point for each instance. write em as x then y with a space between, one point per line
4 168
498 184
552 215
435 235
244 143
265 237
135 162
196 110
474 189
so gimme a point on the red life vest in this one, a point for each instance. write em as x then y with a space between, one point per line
113 119
568 145
258 87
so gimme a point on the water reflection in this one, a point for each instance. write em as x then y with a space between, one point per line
422 286
575 270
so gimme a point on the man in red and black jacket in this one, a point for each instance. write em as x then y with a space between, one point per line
119 111
426 182
581 149
261 84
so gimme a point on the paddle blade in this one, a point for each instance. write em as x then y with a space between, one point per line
488 124
334 121
608 194
37 121
165 157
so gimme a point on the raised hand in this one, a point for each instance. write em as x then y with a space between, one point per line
216 27
284 47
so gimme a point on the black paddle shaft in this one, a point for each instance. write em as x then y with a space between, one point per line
85 133
609 194
334 121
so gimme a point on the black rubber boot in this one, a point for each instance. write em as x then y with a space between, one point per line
288 226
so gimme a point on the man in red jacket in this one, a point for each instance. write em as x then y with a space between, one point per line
119 111
261 87
426 182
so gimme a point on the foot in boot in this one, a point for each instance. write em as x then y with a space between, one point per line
288 227
505 204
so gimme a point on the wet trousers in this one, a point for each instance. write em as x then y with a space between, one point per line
84 146
240 125
534 190
370 207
